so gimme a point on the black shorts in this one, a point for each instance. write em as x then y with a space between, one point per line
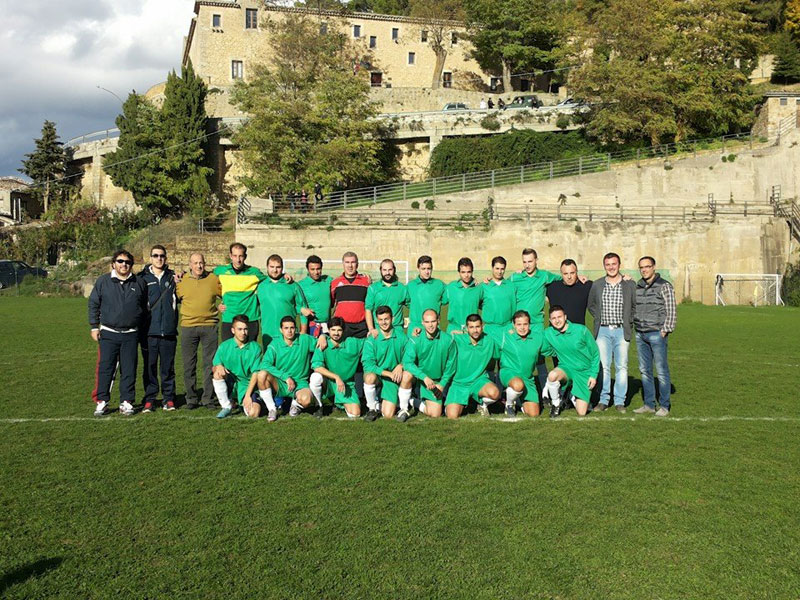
356 330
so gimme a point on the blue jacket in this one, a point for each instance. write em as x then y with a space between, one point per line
163 317
118 303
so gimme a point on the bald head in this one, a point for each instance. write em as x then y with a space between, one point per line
197 264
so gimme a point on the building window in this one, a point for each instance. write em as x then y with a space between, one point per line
216 21
395 33
412 58
494 82
251 18
323 28
237 69
784 101
376 79
356 31
453 38
373 41
423 36
447 79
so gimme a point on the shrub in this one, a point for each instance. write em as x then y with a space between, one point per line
415 205
790 286
490 122
430 204
563 121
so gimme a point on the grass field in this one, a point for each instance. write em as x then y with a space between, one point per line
702 504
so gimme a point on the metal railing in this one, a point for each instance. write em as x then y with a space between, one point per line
92 137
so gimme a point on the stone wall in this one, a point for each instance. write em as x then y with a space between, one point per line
412 99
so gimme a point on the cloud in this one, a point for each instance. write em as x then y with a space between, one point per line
51 67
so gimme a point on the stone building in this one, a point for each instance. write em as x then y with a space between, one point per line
16 201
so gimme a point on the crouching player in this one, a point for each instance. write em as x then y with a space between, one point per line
335 368
430 359
382 358
285 371
236 359
474 354
519 353
578 362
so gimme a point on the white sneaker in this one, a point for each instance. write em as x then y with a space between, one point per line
272 415
100 409
126 408
483 410
295 410
662 412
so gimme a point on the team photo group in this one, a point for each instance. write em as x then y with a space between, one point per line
346 341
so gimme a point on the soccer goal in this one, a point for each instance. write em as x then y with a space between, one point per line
759 289
333 267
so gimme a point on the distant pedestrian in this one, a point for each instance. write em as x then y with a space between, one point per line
490 104
317 195
500 104
483 104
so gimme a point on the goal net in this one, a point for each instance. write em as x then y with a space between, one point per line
760 289
333 267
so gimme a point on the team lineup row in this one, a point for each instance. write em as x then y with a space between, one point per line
495 325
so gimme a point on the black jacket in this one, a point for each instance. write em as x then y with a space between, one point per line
117 303
163 318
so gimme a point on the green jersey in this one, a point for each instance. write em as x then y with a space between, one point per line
318 297
283 361
239 291
431 357
341 359
519 355
278 298
472 360
575 348
424 295
530 293
382 353
394 295
241 362
462 302
499 302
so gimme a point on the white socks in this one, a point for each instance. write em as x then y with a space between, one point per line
266 396
404 397
369 395
486 401
553 389
511 396
221 388
315 384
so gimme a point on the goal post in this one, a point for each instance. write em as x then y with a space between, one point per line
755 289
296 267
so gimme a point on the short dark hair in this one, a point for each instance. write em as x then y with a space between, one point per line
241 319
119 253
388 260
336 322
159 247
530 251
275 258
473 318
424 259
557 307
568 262
382 310
313 260
238 245
521 313
287 319
650 258
465 262
612 255
499 259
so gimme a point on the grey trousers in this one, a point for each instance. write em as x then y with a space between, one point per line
191 338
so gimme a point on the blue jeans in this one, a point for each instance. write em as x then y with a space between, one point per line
613 348
652 350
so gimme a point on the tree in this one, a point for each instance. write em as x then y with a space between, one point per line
47 165
310 116
381 7
513 36
791 17
438 18
787 60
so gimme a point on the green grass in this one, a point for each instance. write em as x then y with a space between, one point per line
181 505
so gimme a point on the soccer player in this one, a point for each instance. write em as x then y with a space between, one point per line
284 371
239 282
349 292
382 358
237 359
317 290
578 362
499 301
464 296
430 359
475 352
335 368
519 353
424 292
386 292
278 298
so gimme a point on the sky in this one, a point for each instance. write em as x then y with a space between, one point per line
53 55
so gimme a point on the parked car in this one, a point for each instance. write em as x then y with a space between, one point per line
524 102
14 271
455 106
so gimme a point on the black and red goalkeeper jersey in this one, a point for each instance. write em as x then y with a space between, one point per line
348 295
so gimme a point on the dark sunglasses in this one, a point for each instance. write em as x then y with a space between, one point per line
121 261
159 255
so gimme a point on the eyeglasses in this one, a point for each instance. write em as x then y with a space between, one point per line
159 255
121 261
643 267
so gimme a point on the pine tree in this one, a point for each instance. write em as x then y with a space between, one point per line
46 165
787 60
791 17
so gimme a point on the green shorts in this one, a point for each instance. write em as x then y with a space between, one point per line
349 396
529 394
241 389
496 332
283 390
427 395
461 393
389 390
579 381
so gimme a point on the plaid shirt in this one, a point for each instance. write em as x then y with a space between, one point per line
611 310
668 293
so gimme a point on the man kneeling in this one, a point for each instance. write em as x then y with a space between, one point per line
475 352
382 358
335 368
236 359
578 362
519 355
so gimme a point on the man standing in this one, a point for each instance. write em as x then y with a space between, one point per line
519 353
161 340
117 307
278 298
462 296
424 292
236 361
382 358
239 282
499 301
349 293
386 292
612 301
655 317
197 293
430 359
475 352
335 368
317 290
569 293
